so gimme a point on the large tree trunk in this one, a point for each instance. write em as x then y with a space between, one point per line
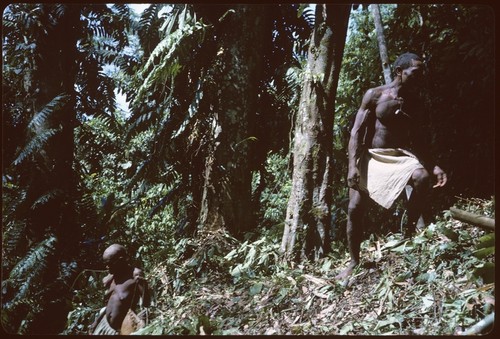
379 28
226 197
308 213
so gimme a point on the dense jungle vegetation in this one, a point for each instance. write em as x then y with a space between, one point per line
193 174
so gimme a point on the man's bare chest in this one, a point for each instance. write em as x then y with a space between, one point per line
389 110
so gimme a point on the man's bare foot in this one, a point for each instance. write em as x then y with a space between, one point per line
347 272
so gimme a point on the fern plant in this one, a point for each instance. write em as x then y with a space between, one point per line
53 58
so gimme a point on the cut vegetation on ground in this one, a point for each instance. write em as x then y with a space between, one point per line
440 282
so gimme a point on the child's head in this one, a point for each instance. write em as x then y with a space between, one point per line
115 258
137 273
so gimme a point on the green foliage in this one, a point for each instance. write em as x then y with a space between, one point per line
260 257
40 118
87 296
163 64
140 176
277 185
36 144
179 33
23 304
53 82
424 285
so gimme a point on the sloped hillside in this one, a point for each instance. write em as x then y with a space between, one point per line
440 282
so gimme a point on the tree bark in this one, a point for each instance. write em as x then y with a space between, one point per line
474 219
382 47
308 212
226 196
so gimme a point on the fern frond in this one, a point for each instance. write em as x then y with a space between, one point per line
24 17
13 242
127 63
163 62
36 144
87 210
144 119
122 9
59 10
34 263
41 117
36 284
43 199
307 12
105 53
148 17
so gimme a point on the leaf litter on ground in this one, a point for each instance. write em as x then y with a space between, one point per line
434 283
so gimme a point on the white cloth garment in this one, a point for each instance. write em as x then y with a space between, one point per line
385 173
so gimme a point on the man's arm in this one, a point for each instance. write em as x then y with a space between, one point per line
146 297
422 149
356 141
143 287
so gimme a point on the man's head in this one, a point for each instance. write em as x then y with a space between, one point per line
115 257
405 60
409 66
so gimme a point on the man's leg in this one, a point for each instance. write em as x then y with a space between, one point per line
355 216
420 183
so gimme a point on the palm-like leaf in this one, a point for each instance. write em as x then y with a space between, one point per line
41 118
36 144
41 166
158 76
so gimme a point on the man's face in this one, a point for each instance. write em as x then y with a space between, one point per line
413 74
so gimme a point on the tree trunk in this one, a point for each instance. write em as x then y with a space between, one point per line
375 9
308 212
226 196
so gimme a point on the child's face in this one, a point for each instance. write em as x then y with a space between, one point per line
113 263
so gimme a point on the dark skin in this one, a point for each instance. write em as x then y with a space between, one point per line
125 286
381 122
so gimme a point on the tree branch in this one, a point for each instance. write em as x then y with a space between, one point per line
474 219
480 326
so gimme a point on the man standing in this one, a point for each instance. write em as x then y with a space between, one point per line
380 164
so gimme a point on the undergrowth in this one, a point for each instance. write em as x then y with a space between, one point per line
439 282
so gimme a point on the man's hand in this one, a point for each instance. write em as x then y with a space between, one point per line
441 177
353 178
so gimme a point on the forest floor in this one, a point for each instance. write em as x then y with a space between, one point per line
439 282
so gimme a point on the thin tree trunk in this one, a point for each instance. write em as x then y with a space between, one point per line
308 214
382 47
